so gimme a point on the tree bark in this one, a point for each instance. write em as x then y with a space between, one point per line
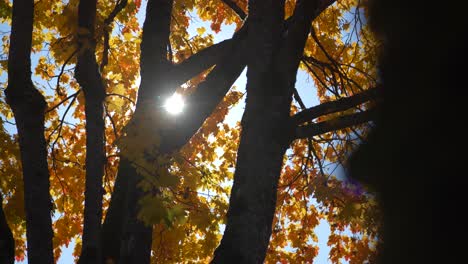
112 227
7 243
88 76
242 15
253 196
338 123
274 57
28 106
136 236
335 106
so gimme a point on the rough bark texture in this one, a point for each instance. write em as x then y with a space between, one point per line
88 76
137 237
273 60
112 227
260 155
154 63
136 240
28 106
7 243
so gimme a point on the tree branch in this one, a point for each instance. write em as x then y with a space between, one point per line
57 87
334 124
235 8
63 101
298 98
199 62
334 106
206 97
107 29
298 29
323 4
153 59
204 59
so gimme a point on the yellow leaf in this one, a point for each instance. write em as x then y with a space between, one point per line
118 89
201 30
128 36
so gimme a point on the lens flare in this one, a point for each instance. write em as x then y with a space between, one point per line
174 104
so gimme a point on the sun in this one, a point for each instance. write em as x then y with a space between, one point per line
174 104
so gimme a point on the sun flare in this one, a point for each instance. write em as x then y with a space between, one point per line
174 104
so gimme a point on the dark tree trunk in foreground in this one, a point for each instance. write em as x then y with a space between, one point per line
7 243
28 106
401 157
88 76
267 128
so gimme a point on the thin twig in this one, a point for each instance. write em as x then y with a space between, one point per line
105 53
122 96
63 101
57 88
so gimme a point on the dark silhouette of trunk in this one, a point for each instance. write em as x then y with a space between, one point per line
401 158
113 224
157 72
136 236
28 106
7 243
267 128
88 76
263 142
136 239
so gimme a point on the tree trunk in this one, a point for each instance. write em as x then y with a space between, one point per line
112 227
137 237
28 106
263 143
267 128
7 243
401 157
88 76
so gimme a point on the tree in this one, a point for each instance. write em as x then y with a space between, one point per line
147 171
28 106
